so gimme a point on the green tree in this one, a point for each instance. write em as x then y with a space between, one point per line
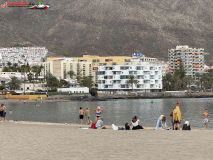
6 69
87 82
2 87
9 64
168 82
30 76
52 82
14 83
71 73
93 92
131 81
64 83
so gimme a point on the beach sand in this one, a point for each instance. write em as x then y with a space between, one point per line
51 141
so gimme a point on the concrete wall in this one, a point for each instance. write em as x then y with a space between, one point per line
10 96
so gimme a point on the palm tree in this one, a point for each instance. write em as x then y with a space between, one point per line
9 64
131 80
30 76
71 73
14 83
24 69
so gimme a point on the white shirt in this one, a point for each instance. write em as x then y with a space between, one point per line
134 124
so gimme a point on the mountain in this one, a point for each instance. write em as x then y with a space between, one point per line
111 27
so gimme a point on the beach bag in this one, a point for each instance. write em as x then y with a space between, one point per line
93 126
127 127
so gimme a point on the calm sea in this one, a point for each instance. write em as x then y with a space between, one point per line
117 112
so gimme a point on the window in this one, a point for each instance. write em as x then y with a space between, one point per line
126 60
94 60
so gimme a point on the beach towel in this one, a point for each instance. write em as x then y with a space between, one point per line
176 114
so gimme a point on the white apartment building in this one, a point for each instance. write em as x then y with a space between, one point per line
114 77
192 59
22 55
60 67
138 58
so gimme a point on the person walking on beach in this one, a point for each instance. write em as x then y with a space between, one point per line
205 118
98 111
81 115
87 114
176 117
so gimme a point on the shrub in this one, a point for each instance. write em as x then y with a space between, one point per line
93 92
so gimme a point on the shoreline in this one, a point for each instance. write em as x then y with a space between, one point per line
78 126
68 99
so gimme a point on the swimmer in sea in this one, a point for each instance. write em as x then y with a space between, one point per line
98 111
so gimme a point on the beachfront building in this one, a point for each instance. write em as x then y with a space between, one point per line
33 86
138 58
22 55
61 66
114 77
98 61
74 90
192 59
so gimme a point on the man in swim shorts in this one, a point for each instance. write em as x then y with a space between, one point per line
81 115
205 118
87 114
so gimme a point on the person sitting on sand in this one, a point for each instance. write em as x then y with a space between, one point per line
161 123
176 117
135 124
99 124
186 126
98 111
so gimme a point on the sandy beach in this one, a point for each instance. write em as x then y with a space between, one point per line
51 141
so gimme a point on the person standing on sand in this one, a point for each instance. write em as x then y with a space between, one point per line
176 117
4 113
81 115
87 114
1 110
205 118
98 113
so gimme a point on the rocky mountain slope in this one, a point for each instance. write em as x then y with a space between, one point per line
110 27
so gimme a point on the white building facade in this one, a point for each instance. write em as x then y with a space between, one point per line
114 77
22 55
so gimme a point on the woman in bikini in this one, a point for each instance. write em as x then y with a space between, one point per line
98 113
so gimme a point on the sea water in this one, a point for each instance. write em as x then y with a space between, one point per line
116 112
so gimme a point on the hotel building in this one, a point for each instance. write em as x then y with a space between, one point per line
114 77
192 59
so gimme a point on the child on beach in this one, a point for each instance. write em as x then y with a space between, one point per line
176 117
205 118
81 115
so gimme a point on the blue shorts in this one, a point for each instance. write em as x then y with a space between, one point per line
205 120
4 114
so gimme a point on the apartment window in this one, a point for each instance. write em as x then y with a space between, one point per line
95 68
94 60
89 65
126 60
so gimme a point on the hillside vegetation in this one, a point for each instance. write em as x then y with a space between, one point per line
110 27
